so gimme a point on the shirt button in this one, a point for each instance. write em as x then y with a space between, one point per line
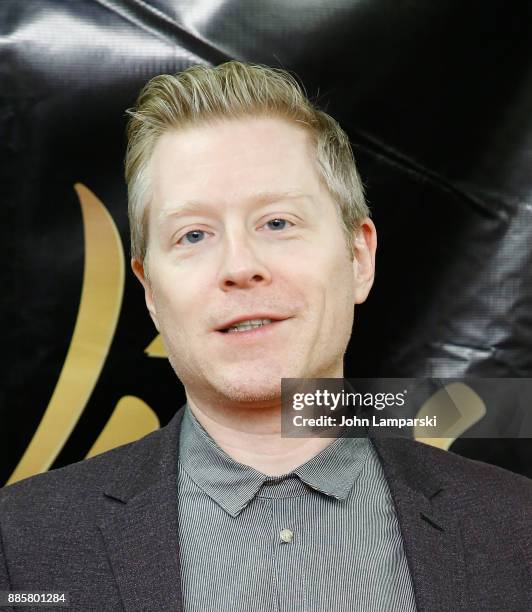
286 535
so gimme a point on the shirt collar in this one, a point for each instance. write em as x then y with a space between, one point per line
233 485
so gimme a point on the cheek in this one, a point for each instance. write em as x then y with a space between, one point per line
323 283
177 308
339 292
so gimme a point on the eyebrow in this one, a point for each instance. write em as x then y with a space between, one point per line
262 198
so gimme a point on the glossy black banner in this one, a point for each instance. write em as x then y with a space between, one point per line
436 98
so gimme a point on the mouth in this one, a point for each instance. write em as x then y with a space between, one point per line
250 326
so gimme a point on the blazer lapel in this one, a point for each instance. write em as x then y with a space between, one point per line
139 523
431 534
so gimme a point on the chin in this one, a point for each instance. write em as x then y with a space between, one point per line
251 391
251 385
240 394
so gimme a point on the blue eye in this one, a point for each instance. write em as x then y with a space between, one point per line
194 236
276 224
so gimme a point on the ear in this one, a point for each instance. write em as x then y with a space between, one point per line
138 269
364 247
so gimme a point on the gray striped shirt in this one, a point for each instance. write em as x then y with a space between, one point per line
324 537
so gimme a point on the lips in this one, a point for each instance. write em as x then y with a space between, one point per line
249 317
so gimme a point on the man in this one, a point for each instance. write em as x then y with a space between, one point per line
252 241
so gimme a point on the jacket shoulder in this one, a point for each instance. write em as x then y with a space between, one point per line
467 477
74 482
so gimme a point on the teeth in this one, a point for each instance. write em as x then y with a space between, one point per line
245 325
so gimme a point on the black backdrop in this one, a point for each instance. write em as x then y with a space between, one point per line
437 100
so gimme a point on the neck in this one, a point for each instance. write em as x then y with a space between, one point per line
251 434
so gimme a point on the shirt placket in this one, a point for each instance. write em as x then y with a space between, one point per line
288 542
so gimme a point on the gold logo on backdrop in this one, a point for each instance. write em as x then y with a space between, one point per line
99 309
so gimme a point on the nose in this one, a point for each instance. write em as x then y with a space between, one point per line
242 266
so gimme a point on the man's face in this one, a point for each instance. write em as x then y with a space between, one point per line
242 228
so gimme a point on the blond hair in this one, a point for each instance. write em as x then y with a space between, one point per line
234 90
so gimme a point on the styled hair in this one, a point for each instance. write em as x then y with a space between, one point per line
233 90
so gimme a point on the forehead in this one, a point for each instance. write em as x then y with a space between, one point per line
231 159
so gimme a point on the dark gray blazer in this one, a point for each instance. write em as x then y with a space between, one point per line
105 529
